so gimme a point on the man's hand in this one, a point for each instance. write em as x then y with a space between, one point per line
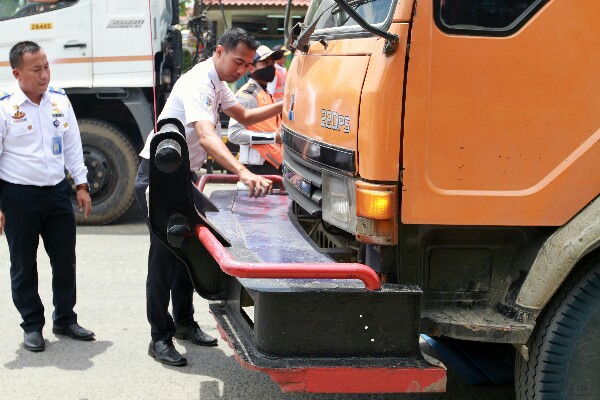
257 185
1 222
85 202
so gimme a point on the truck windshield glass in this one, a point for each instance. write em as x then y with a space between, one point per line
22 8
331 16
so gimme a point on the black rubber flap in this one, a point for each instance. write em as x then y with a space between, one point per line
176 207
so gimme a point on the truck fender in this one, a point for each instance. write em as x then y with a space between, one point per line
141 110
557 257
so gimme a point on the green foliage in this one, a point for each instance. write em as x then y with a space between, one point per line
186 63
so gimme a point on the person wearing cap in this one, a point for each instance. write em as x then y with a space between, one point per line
196 100
276 86
260 143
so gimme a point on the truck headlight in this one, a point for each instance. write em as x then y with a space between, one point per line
367 210
339 205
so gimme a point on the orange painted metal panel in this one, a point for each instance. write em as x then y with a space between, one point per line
328 79
504 131
381 112
403 11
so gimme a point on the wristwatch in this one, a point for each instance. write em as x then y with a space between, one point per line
83 186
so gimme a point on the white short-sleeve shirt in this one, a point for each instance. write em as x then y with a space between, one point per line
37 141
198 95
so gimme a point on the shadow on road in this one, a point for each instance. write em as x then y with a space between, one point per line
65 354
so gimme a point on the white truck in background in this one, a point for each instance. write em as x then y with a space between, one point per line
108 56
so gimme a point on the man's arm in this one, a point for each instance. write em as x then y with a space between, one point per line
249 117
237 132
214 146
74 162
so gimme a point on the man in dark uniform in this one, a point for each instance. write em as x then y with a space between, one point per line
39 138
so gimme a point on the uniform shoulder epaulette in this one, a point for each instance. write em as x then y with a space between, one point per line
57 90
250 89
4 95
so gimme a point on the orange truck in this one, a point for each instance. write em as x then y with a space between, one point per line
446 155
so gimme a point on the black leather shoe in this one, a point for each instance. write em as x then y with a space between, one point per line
194 334
165 352
75 331
34 341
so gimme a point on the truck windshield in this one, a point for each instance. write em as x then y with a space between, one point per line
331 16
22 8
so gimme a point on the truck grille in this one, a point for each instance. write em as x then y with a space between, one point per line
304 161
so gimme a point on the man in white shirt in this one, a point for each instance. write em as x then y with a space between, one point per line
196 100
39 138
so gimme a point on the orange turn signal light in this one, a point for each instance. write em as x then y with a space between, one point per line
376 201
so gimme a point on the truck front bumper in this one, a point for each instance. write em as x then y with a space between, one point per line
311 324
286 309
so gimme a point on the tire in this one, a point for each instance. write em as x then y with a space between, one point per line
564 355
112 166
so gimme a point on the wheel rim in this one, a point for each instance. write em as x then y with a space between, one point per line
100 173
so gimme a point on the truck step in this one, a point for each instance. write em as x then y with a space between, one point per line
477 323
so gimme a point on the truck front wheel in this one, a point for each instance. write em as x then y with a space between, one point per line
112 164
564 350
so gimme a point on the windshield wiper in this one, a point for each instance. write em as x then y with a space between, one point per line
352 3
391 40
302 42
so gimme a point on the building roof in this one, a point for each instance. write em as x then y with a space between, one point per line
283 3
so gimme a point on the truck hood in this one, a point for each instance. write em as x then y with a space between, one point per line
323 92
343 106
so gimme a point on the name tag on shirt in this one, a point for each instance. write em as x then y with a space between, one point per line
57 145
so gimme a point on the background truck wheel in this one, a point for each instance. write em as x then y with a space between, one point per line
564 350
112 166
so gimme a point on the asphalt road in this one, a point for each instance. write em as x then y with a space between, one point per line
111 272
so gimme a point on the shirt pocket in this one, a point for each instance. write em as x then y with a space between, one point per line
61 126
21 128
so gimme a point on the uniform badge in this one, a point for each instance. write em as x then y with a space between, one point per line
56 113
18 114
56 123
206 100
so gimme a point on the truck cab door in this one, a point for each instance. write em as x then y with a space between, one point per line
502 121
61 29
123 42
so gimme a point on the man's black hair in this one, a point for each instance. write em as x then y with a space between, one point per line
234 36
16 52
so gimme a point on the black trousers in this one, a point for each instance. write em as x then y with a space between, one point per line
31 212
167 276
